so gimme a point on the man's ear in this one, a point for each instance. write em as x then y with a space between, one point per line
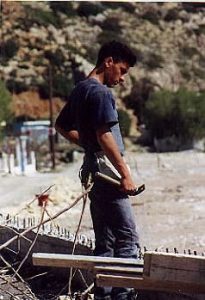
108 61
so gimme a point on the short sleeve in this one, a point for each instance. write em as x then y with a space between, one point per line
102 109
65 119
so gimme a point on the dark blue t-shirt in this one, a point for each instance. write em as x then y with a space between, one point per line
91 106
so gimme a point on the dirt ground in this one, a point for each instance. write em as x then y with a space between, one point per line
170 213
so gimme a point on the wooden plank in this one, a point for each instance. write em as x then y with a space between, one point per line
174 267
80 261
117 270
147 284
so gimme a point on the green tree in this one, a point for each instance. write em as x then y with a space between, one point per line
9 48
180 114
87 8
124 122
5 111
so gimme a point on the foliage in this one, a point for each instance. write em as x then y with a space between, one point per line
57 59
193 7
199 72
5 100
41 17
86 9
65 7
201 29
111 23
189 51
202 60
153 60
152 16
124 122
137 98
15 86
62 86
8 49
111 30
172 15
126 6
38 61
180 114
106 36
185 71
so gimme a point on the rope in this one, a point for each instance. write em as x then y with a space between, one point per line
85 197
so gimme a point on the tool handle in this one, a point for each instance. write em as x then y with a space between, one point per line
107 178
117 183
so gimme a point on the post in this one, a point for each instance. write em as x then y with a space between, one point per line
51 129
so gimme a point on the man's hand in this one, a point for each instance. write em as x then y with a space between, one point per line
128 186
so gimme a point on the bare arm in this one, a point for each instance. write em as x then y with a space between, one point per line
111 150
71 135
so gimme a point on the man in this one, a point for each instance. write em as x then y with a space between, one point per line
90 119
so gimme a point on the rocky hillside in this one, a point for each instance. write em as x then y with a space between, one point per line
63 38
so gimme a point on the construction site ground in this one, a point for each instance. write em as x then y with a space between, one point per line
170 213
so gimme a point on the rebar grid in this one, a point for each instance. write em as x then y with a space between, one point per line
12 281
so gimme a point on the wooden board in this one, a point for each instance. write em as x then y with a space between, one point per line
123 270
174 268
80 261
140 283
162 271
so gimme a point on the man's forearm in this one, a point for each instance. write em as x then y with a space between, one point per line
71 135
111 150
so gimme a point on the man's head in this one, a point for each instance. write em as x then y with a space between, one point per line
115 58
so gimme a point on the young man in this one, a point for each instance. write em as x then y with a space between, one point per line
90 119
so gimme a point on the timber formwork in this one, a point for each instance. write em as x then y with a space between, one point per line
164 272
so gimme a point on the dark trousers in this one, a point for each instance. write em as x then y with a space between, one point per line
115 232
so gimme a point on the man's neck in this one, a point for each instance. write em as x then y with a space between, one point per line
97 74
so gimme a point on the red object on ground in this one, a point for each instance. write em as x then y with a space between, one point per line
42 198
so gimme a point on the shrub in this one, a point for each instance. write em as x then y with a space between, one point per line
39 61
124 122
8 49
111 30
57 59
61 86
5 100
179 114
86 9
126 6
193 7
41 17
189 51
202 28
172 15
63 7
111 23
199 72
152 16
139 95
185 71
153 61
16 86
106 36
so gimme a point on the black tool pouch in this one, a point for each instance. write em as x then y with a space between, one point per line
87 170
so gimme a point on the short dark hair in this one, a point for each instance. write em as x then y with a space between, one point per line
119 52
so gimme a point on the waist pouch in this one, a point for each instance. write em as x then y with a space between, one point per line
105 166
97 163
